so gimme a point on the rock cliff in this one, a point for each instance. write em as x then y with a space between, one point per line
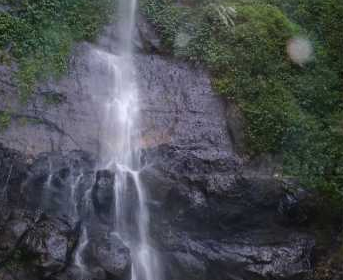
213 215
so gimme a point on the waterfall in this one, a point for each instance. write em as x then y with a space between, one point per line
119 151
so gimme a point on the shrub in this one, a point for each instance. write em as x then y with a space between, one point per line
40 33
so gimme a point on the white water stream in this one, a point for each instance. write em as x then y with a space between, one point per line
119 150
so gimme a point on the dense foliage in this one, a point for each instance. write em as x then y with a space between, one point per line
291 108
40 33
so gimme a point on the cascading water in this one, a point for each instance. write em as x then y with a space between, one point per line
119 150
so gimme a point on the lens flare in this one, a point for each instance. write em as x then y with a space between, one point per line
300 50
182 39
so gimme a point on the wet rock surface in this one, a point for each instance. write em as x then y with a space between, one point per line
57 117
103 193
41 227
34 245
237 230
210 218
109 254
51 241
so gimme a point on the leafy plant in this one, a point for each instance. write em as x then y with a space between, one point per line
39 34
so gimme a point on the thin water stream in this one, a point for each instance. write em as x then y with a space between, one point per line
119 150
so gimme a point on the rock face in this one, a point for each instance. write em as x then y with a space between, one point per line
34 246
237 228
213 217
45 204
58 117
102 193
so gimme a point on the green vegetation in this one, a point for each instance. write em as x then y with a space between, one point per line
290 108
5 120
18 260
322 20
39 34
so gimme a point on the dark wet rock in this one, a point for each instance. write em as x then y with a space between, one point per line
235 123
107 253
73 272
15 273
213 219
254 255
330 262
103 193
150 42
188 264
48 245
34 246
12 231
14 168
297 205
57 183
6 275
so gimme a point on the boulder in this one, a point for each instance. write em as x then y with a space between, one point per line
12 231
48 245
103 192
107 253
